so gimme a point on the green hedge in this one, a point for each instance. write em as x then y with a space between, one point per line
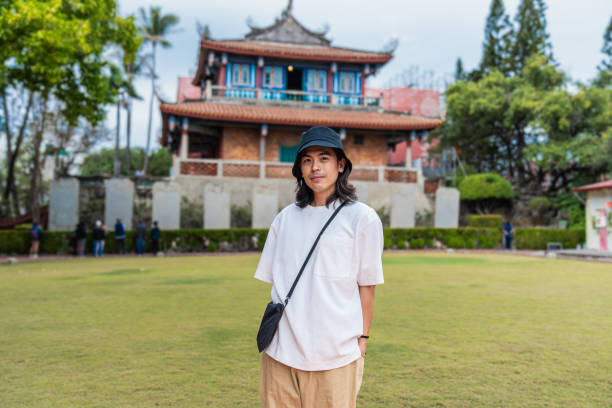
537 238
425 237
245 239
186 240
485 221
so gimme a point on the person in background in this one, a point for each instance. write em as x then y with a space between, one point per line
508 234
80 236
155 237
98 238
35 238
120 236
141 235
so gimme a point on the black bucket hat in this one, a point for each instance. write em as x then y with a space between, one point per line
319 136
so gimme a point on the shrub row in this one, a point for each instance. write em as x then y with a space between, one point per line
185 240
417 238
247 239
537 238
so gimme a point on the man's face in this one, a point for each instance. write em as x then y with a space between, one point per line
320 168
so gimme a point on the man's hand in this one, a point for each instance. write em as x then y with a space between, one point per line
362 345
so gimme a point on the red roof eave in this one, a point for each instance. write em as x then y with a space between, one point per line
276 115
308 53
596 186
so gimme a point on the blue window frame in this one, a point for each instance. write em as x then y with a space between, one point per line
273 78
240 75
316 80
348 82
347 85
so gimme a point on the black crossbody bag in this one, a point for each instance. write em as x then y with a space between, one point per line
274 311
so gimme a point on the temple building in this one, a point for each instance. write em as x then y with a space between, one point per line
243 112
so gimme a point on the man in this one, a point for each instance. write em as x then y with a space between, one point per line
155 237
120 237
35 238
315 359
99 235
508 234
141 236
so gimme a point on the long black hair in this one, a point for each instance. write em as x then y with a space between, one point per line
345 192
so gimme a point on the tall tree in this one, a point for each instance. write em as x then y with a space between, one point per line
101 162
132 69
53 49
530 36
604 77
155 28
124 90
607 47
498 30
117 84
460 74
529 127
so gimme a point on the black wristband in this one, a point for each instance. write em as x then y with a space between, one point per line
364 337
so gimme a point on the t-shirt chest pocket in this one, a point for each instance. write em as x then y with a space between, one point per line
334 257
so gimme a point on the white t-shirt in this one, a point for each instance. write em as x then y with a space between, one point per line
323 320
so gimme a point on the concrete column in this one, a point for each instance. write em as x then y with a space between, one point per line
64 204
262 142
209 93
176 166
167 205
184 147
216 206
119 202
409 151
447 208
403 197
265 204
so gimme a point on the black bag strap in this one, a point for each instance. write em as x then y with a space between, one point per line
299 275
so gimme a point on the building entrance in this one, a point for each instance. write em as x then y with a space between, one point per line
295 79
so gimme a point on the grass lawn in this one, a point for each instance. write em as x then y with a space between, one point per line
450 330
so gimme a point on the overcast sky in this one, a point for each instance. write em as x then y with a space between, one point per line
432 35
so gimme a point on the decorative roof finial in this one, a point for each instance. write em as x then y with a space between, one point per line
289 7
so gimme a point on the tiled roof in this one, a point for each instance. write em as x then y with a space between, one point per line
296 51
276 115
597 186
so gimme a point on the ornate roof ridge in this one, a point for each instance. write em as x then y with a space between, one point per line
246 40
285 21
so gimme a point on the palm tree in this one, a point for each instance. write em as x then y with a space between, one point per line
124 89
116 83
131 69
155 27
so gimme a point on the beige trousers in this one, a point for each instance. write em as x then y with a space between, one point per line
281 386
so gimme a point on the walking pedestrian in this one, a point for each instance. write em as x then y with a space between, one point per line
316 357
36 234
508 234
141 236
119 237
98 239
155 237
